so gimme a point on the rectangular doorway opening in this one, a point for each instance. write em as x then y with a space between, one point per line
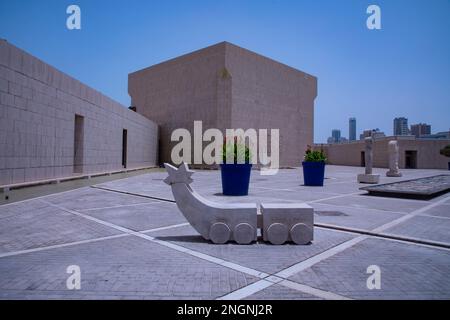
124 148
363 158
410 159
78 145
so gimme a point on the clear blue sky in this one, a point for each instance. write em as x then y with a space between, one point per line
401 70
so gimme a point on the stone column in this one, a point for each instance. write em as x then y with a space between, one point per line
393 160
368 177
369 155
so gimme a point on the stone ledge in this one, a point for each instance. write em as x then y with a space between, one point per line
8 187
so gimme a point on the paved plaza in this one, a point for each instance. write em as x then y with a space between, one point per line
131 242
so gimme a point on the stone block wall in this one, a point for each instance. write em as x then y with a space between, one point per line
177 92
38 106
228 87
427 152
269 94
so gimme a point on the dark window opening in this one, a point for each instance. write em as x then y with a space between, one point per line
124 148
410 159
78 145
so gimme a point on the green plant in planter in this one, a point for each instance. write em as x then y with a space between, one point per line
235 151
445 151
314 167
314 155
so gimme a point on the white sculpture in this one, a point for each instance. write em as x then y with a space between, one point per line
368 176
221 222
287 222
393 160
214 221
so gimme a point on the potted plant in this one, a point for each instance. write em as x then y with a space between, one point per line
446 152
235 168
313 167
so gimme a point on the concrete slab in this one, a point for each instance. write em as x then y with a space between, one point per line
33 224
90 198
311 194
385 204
278 292
260 256
429 228
140 217
351 217
439 211
124 268
147 184
407 271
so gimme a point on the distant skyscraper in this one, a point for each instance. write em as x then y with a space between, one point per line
401 126
352 129
420 129
336 135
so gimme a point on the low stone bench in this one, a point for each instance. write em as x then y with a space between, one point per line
283 222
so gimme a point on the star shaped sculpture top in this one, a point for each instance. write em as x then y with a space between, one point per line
180 175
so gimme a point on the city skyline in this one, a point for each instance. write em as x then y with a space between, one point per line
365 73
414 129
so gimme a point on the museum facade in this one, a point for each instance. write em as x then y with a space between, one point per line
228 87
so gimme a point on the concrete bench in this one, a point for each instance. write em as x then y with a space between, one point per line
283 222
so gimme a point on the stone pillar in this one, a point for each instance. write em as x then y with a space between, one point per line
393 160
368 177
369 155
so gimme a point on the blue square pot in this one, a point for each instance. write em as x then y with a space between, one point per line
313 173
235 178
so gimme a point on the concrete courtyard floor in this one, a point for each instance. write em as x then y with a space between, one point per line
131 242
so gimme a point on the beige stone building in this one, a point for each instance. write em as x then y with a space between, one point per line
413 153
226 86
52 125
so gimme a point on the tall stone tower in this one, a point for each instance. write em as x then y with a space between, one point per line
227 87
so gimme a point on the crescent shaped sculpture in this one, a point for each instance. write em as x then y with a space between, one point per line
223 222
218 222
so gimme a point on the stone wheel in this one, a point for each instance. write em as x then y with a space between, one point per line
244 233
301 233
277 233
219 233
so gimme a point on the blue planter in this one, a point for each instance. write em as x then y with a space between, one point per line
235 179
313 173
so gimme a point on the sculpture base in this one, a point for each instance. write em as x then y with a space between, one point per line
368 178
393 174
